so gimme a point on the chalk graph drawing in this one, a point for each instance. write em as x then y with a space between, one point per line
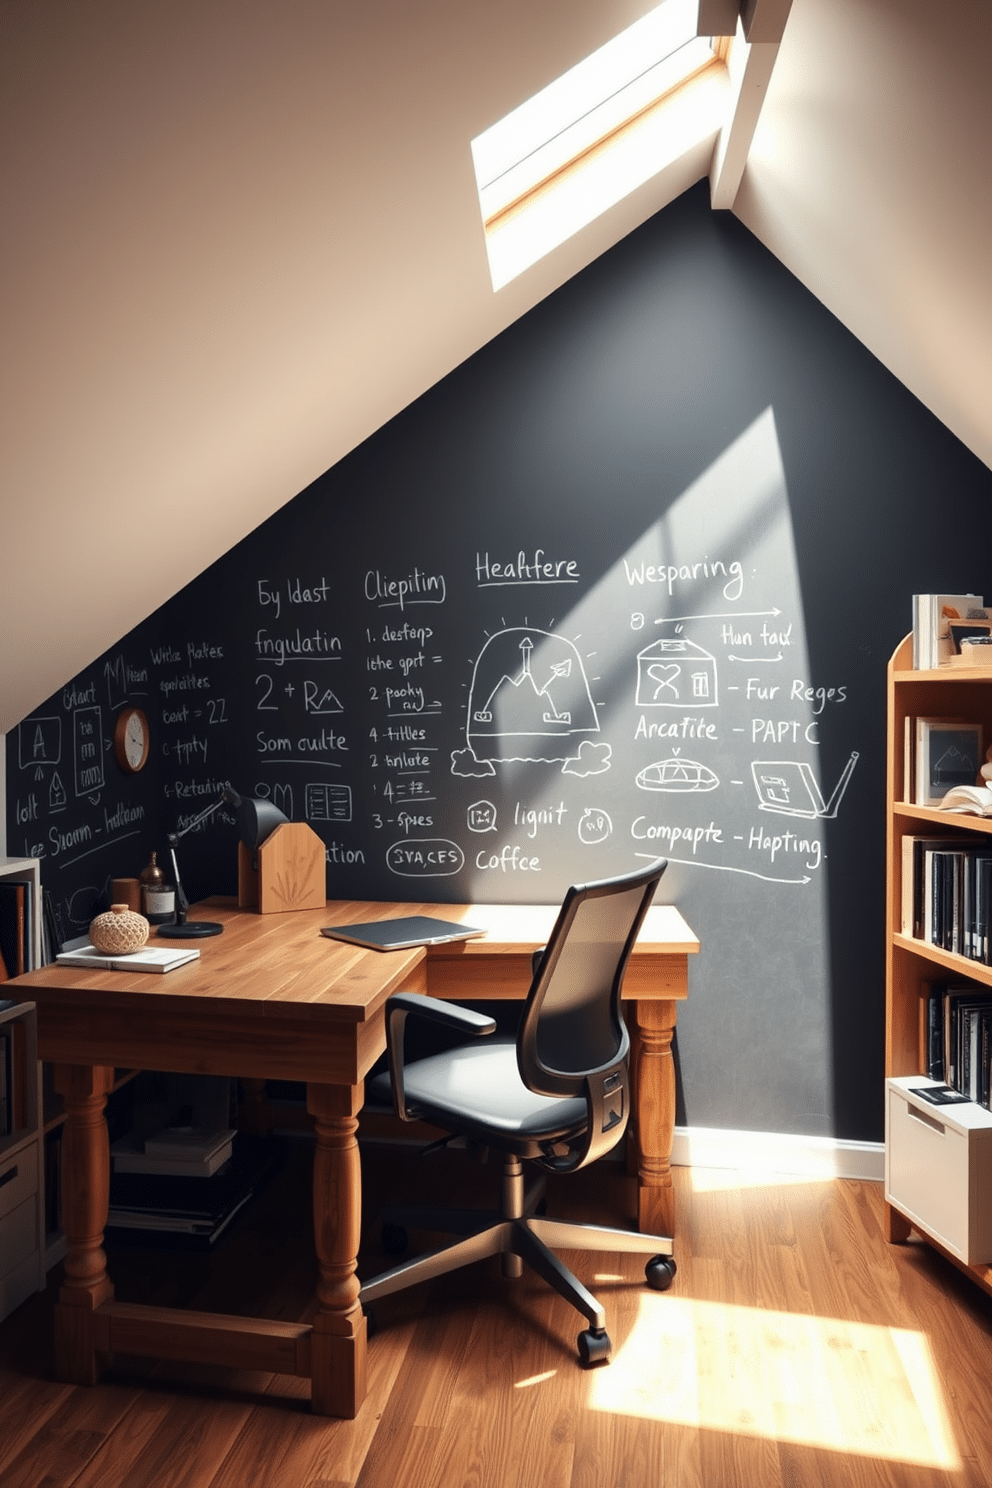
676 674
790 789
677 775
529 700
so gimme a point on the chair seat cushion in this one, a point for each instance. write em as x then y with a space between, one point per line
477 1089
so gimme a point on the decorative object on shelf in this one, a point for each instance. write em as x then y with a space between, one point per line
934 641
132 740
948 754
119 932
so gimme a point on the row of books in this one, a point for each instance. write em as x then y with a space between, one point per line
959 1039
13 1090
947 895
17 927
941 622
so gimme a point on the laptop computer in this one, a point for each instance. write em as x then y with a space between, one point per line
402 933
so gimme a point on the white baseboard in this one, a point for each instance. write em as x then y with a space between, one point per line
777 1152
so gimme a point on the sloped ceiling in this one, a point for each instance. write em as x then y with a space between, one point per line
239 237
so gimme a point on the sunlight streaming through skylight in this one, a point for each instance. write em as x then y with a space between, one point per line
591 107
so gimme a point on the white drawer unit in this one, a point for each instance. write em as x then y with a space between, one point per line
18 1180
938 1168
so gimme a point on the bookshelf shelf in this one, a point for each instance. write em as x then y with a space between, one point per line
913 964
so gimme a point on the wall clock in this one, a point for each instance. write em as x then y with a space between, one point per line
132 740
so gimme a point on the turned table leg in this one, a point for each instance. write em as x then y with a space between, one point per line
338 1340
654 1096
85 1200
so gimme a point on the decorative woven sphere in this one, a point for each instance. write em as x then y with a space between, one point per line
119 931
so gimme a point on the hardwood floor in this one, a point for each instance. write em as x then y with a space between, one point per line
795 1348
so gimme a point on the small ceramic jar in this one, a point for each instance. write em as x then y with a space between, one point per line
119 931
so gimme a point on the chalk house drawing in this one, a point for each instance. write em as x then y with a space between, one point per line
529 700
676 674
677 775
790 789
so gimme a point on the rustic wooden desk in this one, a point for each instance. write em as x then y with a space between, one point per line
272 998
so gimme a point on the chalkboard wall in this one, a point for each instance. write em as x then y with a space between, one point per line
622 585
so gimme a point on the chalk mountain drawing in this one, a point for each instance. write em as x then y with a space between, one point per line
529 699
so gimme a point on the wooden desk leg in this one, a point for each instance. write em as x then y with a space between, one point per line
654 1097
339 1336
85 1199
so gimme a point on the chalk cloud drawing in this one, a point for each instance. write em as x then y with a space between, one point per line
678 775
529 700
592 759
790 789
464 763
676 673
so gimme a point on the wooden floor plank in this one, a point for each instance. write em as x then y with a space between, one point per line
796 1349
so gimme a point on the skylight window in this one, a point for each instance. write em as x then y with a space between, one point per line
607 104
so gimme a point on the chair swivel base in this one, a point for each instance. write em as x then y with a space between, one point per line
528 1238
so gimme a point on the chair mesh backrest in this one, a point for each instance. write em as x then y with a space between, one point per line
571 1023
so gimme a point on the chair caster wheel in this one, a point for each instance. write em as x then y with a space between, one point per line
659 1273
594 1348
394 1239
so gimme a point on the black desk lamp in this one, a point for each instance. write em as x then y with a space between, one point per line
257 819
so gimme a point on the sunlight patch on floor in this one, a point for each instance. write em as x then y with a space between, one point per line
716 1180
535 1379
819 1382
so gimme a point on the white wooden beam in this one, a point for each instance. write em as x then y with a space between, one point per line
748 84
718 17
764 20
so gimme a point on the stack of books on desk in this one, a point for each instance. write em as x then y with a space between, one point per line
162 1206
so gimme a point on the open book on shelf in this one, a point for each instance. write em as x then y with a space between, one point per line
971 800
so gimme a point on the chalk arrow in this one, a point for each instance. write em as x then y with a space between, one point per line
720 615
725 868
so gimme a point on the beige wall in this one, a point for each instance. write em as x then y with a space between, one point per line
870 177
240 236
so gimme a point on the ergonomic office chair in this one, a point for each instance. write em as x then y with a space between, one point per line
557 1096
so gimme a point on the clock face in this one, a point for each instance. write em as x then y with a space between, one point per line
132 740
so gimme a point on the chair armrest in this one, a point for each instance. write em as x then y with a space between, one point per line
449 1014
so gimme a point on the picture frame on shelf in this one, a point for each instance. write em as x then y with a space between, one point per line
949 752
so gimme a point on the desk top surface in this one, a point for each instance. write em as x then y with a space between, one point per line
281 962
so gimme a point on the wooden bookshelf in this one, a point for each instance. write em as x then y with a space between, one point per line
912 964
